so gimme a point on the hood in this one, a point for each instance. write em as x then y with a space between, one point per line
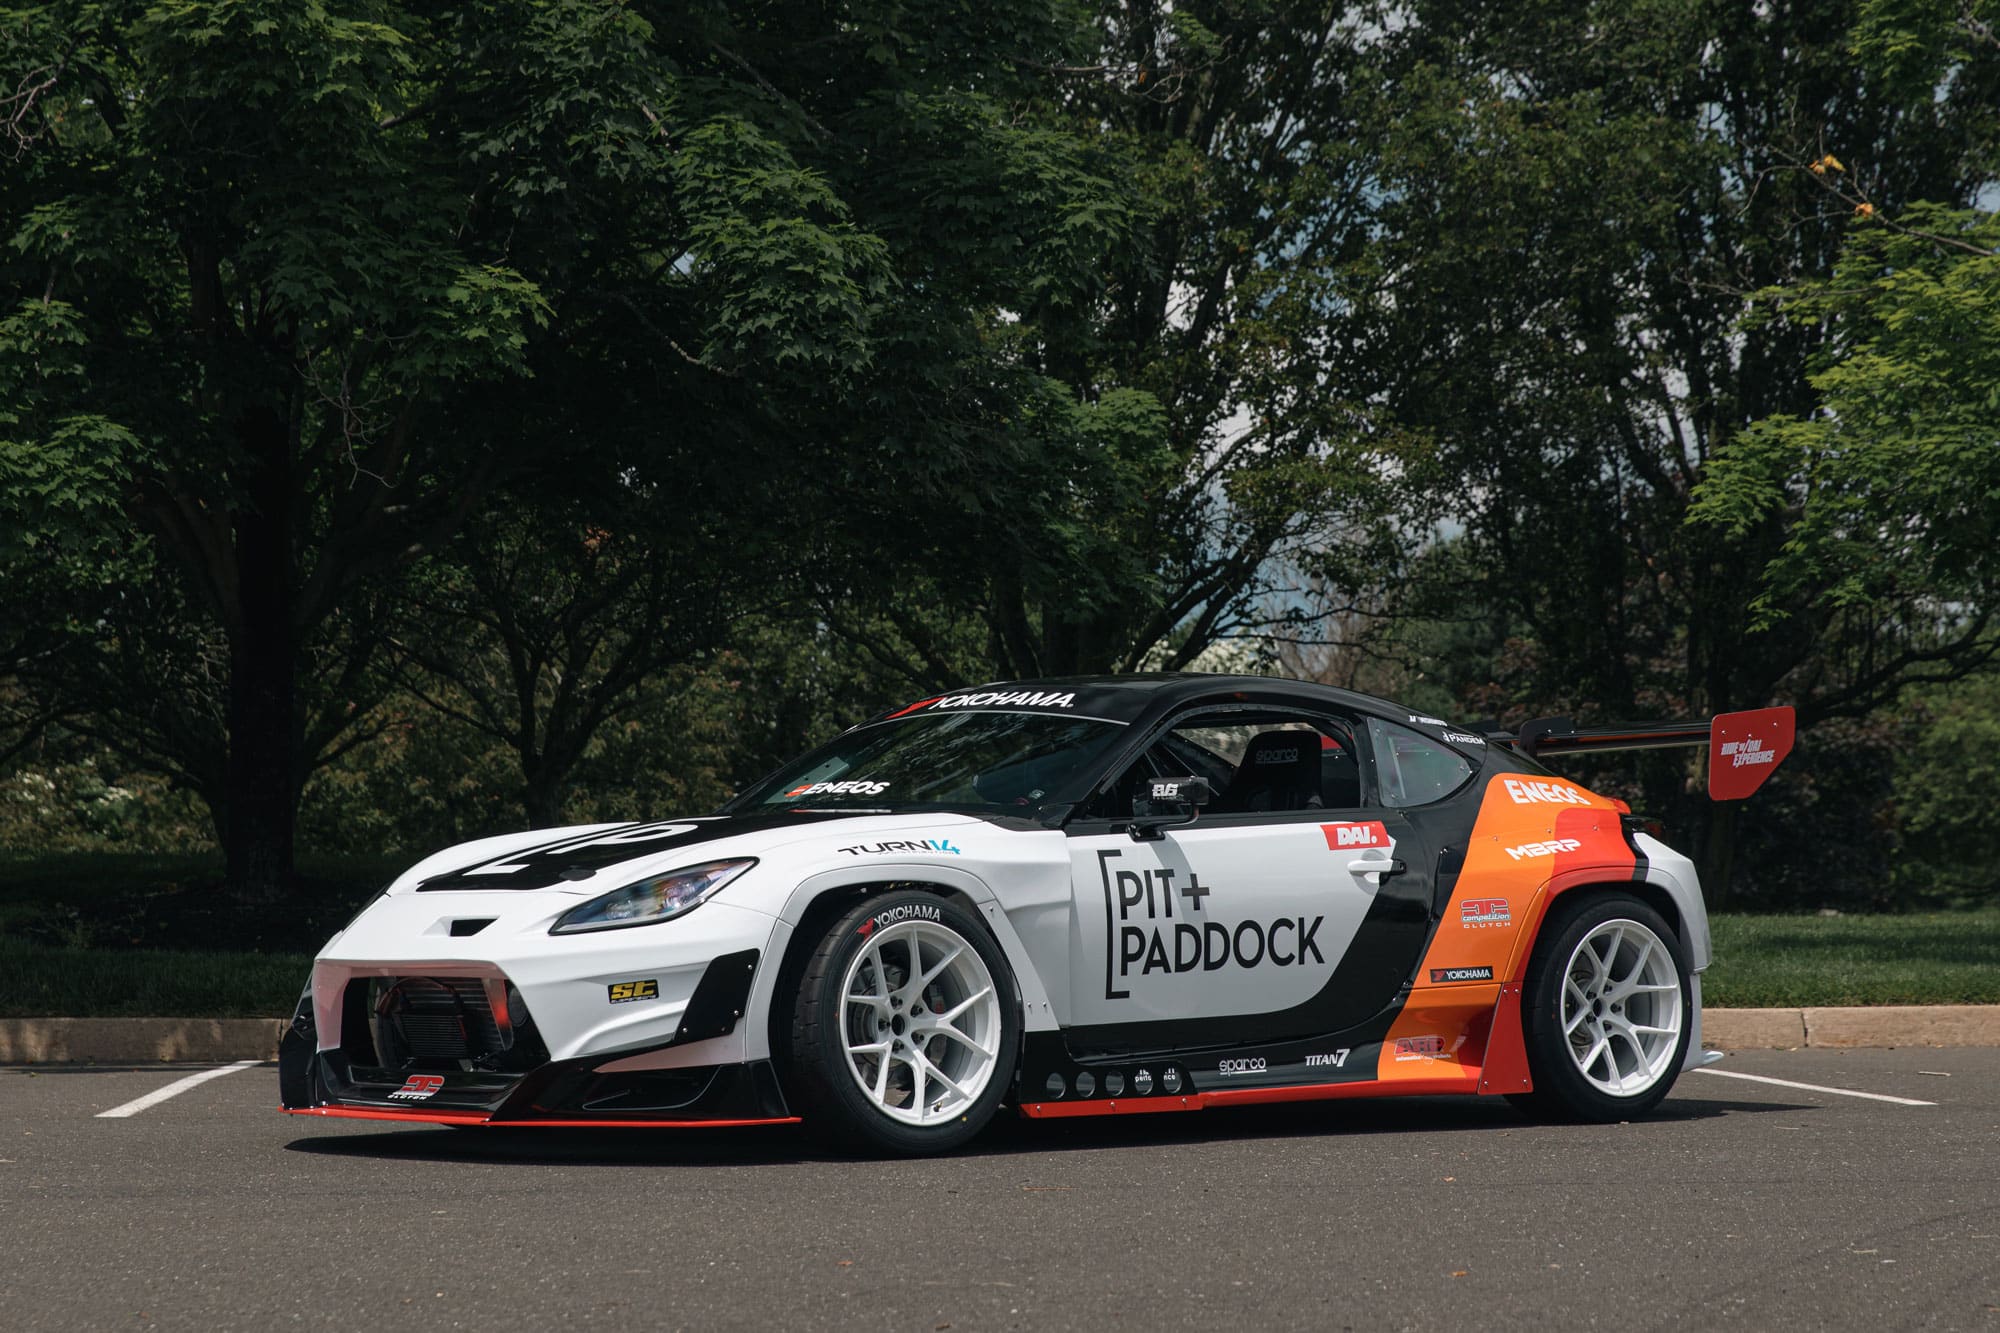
594 858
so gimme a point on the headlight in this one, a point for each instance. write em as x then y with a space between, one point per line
656 899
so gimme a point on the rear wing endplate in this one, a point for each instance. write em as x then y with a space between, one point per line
1743 748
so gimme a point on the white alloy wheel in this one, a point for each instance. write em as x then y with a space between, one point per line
1621 1008
921 1022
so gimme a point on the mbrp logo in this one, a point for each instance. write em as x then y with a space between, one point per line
1549 848
418 1087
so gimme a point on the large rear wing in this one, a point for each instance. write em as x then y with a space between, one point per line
1743 748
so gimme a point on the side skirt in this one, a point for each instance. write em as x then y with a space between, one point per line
1201 1101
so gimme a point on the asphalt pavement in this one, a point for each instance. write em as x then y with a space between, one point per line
1739 1204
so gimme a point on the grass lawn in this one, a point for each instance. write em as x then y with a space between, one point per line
1927 958
115 934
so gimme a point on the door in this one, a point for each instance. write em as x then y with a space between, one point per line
1261 920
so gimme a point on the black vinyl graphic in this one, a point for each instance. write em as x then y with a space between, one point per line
1370 982
578 857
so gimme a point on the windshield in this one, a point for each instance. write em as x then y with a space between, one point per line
999 763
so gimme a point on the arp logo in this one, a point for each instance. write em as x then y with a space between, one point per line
624 991
418 1087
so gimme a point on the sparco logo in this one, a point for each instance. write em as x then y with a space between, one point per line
1444 974
1526 792
1743 754
1229 1068
1549 848
418 1087
904 913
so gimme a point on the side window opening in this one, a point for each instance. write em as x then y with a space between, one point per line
1256 763
1411 768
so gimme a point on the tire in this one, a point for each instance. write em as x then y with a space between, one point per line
885 1066
1606 1010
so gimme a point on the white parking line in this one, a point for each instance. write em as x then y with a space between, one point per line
174 1089
1814 1087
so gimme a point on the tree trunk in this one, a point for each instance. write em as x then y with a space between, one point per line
263 780
544 791
1718 856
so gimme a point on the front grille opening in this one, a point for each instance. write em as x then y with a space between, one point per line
439 1025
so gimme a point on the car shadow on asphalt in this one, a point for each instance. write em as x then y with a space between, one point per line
1009 1135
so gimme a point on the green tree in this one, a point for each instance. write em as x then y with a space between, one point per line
1579 206
287 285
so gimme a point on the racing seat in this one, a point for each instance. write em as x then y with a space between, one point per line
1339 775
1279 771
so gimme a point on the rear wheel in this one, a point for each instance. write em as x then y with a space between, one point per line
1605 1010
906 1033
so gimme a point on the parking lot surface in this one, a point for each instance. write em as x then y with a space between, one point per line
1740 1204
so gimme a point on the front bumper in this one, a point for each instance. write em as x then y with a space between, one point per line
458 1043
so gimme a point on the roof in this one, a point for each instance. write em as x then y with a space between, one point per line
1137 696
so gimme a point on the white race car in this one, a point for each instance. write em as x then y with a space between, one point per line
1075 897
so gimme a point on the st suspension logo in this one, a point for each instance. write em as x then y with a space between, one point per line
624 992
1144 933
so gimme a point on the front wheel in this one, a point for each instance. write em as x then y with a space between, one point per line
906 1030
1606 1009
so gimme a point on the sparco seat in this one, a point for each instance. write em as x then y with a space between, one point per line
1280 771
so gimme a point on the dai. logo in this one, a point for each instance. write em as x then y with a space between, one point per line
1340 837
623 992
418 1087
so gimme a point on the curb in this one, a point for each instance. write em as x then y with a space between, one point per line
51 1041
48 1041
1875 1026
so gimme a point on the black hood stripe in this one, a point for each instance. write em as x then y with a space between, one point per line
578 857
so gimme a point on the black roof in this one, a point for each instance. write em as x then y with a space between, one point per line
1141 695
